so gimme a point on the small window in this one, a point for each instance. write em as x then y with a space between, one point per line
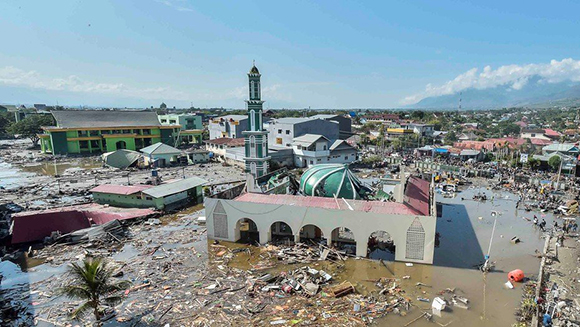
311 162
324 147
279 140
287 132
346 158
279 131
317 160
163 121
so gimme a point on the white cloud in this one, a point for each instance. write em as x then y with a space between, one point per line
13 76
512 76
174 5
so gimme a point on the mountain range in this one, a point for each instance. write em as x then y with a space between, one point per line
535 94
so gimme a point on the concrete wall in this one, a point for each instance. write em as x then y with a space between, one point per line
217 130
329 129
223 217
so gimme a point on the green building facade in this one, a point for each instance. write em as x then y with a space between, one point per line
191 126
93 131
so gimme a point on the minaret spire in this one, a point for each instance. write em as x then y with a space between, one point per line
256 138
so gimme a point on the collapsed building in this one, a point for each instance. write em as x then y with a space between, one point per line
333 207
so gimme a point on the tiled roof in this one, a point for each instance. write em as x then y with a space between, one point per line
392 208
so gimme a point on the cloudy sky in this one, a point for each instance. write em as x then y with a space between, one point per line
323 54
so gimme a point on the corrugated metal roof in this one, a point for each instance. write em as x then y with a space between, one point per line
101 118
160 148
308 139
120 189
174 187
392 208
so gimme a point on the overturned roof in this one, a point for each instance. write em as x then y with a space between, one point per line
174 187
100 118
121 158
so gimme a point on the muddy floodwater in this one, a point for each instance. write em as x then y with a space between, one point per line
465 228
17 175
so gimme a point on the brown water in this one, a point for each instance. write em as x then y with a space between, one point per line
53 169
465 229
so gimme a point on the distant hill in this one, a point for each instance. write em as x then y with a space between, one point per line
534 94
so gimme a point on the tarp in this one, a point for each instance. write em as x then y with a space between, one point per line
121 158
441 150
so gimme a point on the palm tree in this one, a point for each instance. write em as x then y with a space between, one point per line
93 282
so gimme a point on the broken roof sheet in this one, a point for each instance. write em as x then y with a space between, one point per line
391 208
174 187
33 226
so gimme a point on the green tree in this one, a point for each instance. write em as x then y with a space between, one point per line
450 138
92 282
31 126
534 163
6 118
554 162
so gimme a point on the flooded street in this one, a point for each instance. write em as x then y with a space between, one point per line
465 228
168 265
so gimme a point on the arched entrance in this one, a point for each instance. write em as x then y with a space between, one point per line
311 234
248 231
342 238
381 246
121 145
281 232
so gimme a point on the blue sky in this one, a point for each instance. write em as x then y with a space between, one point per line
323 54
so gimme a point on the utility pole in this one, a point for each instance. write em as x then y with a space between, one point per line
559 171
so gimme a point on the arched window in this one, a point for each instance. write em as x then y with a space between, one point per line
251 89
253 119
220 221
253 168
264 146
252 146
415 241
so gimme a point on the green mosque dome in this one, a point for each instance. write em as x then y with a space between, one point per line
332 180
